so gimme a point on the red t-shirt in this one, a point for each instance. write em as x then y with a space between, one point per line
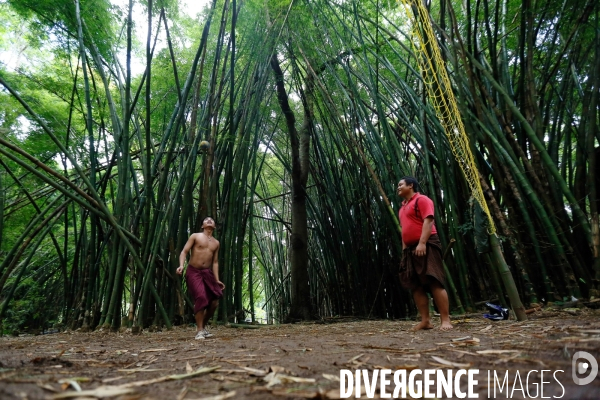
411 221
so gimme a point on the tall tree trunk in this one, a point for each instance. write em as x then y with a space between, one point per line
300 141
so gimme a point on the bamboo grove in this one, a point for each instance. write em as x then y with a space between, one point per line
314 110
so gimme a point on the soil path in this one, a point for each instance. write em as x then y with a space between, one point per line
296 361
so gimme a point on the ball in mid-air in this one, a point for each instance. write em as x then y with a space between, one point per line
204 145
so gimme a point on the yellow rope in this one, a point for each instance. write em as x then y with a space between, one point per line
442 99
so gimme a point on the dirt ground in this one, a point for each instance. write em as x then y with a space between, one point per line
295 361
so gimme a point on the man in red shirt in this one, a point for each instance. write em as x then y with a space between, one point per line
422 266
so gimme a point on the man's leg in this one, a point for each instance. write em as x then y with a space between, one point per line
422 302
200 317
210 311
440 296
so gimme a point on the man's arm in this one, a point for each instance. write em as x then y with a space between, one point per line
183 254
421 249
401 237
215 267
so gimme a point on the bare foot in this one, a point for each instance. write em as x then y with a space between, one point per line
446 326
422 325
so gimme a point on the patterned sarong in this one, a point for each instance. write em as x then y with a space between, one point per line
416 271
202 286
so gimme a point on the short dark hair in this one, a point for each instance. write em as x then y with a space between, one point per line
207 217
409 180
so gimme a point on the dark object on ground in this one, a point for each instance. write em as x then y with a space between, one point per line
497 313
595 304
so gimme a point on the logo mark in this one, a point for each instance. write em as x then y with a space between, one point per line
581 367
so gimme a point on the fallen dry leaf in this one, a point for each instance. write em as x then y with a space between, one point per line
200 371
100 392
182 393
145 369
255 372
462 353
116 378
350 361
408 367
227 395
497 351
451 363
65 383
305 394
333 394
154 350
274 378
276 369
47 387
230 378
461 339
330 377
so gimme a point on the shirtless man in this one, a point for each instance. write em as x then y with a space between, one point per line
202 275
